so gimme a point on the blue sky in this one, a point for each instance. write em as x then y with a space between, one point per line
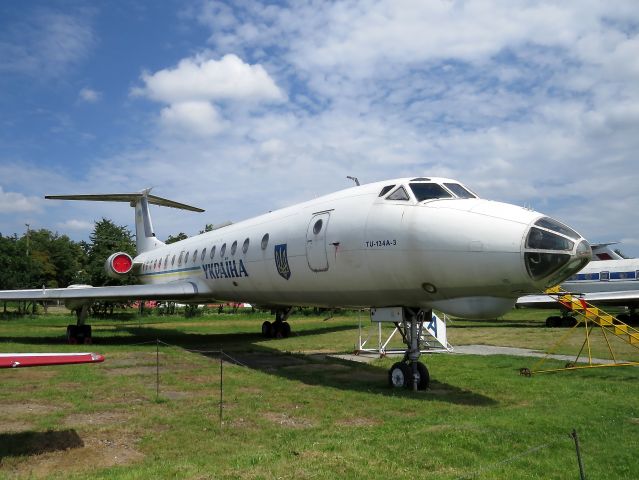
244 107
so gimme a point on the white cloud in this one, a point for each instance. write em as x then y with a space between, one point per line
204 79
46 44
13 202
89 95
75 225
199 118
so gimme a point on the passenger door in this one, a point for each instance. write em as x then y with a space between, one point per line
316 254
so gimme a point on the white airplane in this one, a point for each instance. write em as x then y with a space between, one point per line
612 280
416 243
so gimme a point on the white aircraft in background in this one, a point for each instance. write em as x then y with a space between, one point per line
608 280
416 243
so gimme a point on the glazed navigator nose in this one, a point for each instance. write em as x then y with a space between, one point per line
554 251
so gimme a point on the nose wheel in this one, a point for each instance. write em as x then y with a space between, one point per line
410 372
401 375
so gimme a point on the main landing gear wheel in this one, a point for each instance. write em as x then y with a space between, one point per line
280 328
81 332
267 329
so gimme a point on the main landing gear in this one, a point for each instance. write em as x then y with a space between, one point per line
80 333
280 328
410 372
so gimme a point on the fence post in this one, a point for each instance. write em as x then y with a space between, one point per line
582 475
221 384
157 369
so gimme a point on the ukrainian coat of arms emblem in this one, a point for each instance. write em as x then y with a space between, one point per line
281 261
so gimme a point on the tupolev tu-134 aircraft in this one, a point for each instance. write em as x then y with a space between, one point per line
415 243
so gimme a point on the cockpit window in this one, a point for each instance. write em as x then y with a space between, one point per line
428 191
399 194
385 190
459 191
540 264
543 240
555 226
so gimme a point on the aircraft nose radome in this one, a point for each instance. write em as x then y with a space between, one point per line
553 251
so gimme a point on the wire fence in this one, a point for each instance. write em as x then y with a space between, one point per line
224 356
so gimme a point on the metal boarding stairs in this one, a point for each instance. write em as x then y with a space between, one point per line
590 317
431 332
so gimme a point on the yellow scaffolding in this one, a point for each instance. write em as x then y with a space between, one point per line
590 317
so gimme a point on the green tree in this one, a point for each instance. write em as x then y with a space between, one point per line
15 266
107 238
55 259
176 238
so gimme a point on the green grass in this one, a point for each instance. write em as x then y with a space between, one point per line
296 413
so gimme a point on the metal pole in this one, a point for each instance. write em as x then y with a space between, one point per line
157 369
582 475
221 384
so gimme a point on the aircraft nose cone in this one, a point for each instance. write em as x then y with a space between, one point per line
583 250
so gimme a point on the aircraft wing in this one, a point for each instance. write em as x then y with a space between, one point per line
622 298
179 290
18 360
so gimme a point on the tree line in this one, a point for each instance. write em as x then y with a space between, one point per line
44 258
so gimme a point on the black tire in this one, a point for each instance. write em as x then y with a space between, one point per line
568 322
267 329
285 330
72 334
424 376
623 317
86 334
551 322
399 375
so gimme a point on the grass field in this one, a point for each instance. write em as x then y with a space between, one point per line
296 412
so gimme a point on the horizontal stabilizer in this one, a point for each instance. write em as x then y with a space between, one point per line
126 197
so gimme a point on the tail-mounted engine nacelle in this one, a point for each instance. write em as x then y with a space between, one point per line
118 264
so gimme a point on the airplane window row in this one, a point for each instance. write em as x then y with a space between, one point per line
184 256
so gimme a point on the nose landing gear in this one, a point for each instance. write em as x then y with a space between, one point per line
410 372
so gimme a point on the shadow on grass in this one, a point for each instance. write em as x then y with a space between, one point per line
252 350
136 335
35 443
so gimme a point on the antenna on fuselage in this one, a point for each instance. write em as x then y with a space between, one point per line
354 179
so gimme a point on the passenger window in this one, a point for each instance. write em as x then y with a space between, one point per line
203 254
186 258
223 250
173 260
459 191
428 191
166 261
385 190
194 256
399 194
234 247
245 246
212 252
180 259
605 276
317 228
264 241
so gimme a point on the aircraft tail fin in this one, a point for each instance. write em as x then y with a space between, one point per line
144 234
